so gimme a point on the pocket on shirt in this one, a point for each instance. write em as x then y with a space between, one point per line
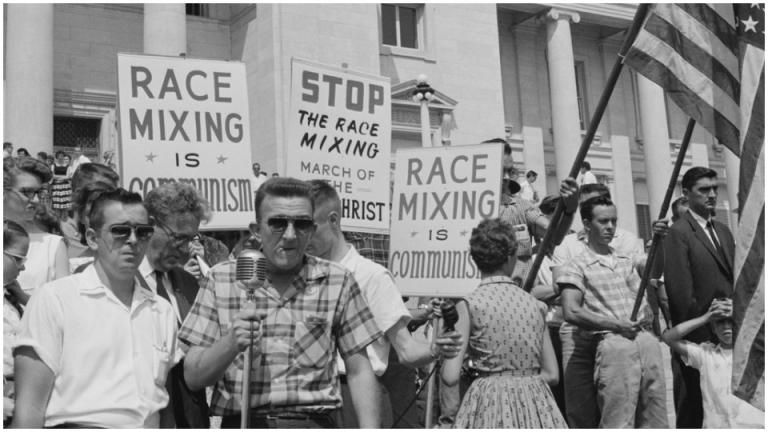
161 366
313 343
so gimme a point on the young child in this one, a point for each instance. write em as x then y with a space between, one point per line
715 362
15 247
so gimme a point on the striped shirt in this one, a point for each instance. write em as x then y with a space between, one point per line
609 283
293 366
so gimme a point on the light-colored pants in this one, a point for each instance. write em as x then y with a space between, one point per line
579 377
630 382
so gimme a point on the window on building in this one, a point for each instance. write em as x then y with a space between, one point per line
581 95
197 9
644 228
71 132
399 25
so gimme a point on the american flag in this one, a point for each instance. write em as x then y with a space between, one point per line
710 58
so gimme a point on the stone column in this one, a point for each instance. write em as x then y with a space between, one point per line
165 29
562 89
623 192
658 159
28 118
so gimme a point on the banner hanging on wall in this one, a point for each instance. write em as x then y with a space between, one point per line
339 130
440 194
186 119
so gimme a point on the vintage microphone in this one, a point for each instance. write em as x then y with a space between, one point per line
251 270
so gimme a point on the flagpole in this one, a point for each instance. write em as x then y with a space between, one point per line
597 116
649 261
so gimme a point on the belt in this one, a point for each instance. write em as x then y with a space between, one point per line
510 372
287 415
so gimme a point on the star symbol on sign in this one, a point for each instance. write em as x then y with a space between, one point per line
221 159
150 157
413 233
749 24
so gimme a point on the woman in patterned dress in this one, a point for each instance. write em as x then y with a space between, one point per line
61 186
508 344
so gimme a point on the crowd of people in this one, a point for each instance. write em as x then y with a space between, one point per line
118 312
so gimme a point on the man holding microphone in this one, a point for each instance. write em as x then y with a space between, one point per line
304 309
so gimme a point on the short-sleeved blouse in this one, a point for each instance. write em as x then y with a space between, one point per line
507 326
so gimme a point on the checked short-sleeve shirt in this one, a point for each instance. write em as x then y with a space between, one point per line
609 283
293 366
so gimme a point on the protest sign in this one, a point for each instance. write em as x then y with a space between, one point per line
440 194
339 130
187 120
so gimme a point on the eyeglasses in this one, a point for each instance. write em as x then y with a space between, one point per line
20 260
30 194
176 238
122 232
279 224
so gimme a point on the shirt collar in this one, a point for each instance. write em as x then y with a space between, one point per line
496 279
91 284
145 268
700 220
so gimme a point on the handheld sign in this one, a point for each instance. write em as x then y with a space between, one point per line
441 193
187 120
339 129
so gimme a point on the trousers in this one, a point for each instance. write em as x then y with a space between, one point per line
581 410
629 377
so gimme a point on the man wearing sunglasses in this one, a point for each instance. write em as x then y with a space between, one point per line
177 210
305 309
95 347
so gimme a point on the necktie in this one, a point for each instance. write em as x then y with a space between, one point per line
718 248
160 286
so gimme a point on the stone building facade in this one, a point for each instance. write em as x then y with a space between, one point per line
531 73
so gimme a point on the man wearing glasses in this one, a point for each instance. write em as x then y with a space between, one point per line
95 347
306 308
176 210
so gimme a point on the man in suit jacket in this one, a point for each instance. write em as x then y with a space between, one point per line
698 268
177 210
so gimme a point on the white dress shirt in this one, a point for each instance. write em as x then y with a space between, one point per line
110 361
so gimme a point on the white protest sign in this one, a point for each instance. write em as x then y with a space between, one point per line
440 194
187 120
339 129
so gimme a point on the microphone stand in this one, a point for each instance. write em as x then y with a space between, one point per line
245 402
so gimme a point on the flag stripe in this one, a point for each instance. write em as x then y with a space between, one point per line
689 101
726 13
699 55
752 157
752 264
755 367
713 22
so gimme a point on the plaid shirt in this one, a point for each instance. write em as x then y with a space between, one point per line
375 247
609 288
293 369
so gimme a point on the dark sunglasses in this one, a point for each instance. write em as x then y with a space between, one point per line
123 231
280 224
176 238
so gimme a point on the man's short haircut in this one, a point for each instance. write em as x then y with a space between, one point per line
586 165
587 208
176 199
676 207
42 155
323 193
7 145
102 198
22 150
491 243
531 173
12 167
695 173
86 172
60 153
591 188
283 187
12 233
